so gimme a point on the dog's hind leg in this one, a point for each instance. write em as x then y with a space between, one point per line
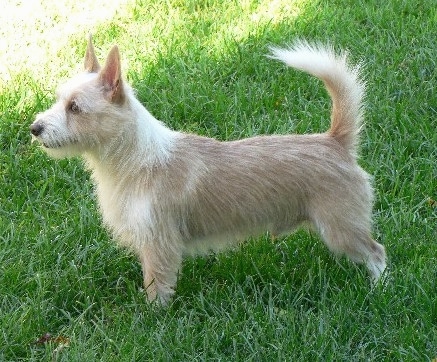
347 234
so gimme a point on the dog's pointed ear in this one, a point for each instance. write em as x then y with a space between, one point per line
110 77
91 64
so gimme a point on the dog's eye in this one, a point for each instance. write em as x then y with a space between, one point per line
73 107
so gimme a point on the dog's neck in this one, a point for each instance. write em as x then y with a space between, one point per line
144 144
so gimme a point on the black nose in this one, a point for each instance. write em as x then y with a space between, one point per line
36 128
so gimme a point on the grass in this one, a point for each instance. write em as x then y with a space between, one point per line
200 67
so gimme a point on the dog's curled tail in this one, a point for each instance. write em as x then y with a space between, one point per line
342 81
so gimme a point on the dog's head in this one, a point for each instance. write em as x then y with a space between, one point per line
89 111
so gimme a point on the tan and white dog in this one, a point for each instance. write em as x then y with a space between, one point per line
165 194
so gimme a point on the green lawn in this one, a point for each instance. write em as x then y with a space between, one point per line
200 66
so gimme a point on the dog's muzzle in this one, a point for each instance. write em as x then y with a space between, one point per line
36 128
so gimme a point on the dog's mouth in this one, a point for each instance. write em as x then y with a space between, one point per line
46 145
58 144
53 144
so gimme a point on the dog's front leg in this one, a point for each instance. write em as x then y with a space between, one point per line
160 270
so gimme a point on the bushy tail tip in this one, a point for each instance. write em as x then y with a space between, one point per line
343 82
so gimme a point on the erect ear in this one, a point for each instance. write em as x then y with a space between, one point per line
91 64
110 77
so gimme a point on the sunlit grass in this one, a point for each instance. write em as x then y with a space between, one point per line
46 28
34 33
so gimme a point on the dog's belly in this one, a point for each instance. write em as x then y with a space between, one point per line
210 244
218 242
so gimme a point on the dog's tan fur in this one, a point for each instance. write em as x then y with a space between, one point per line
165 194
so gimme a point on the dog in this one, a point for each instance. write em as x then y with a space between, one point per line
166 194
